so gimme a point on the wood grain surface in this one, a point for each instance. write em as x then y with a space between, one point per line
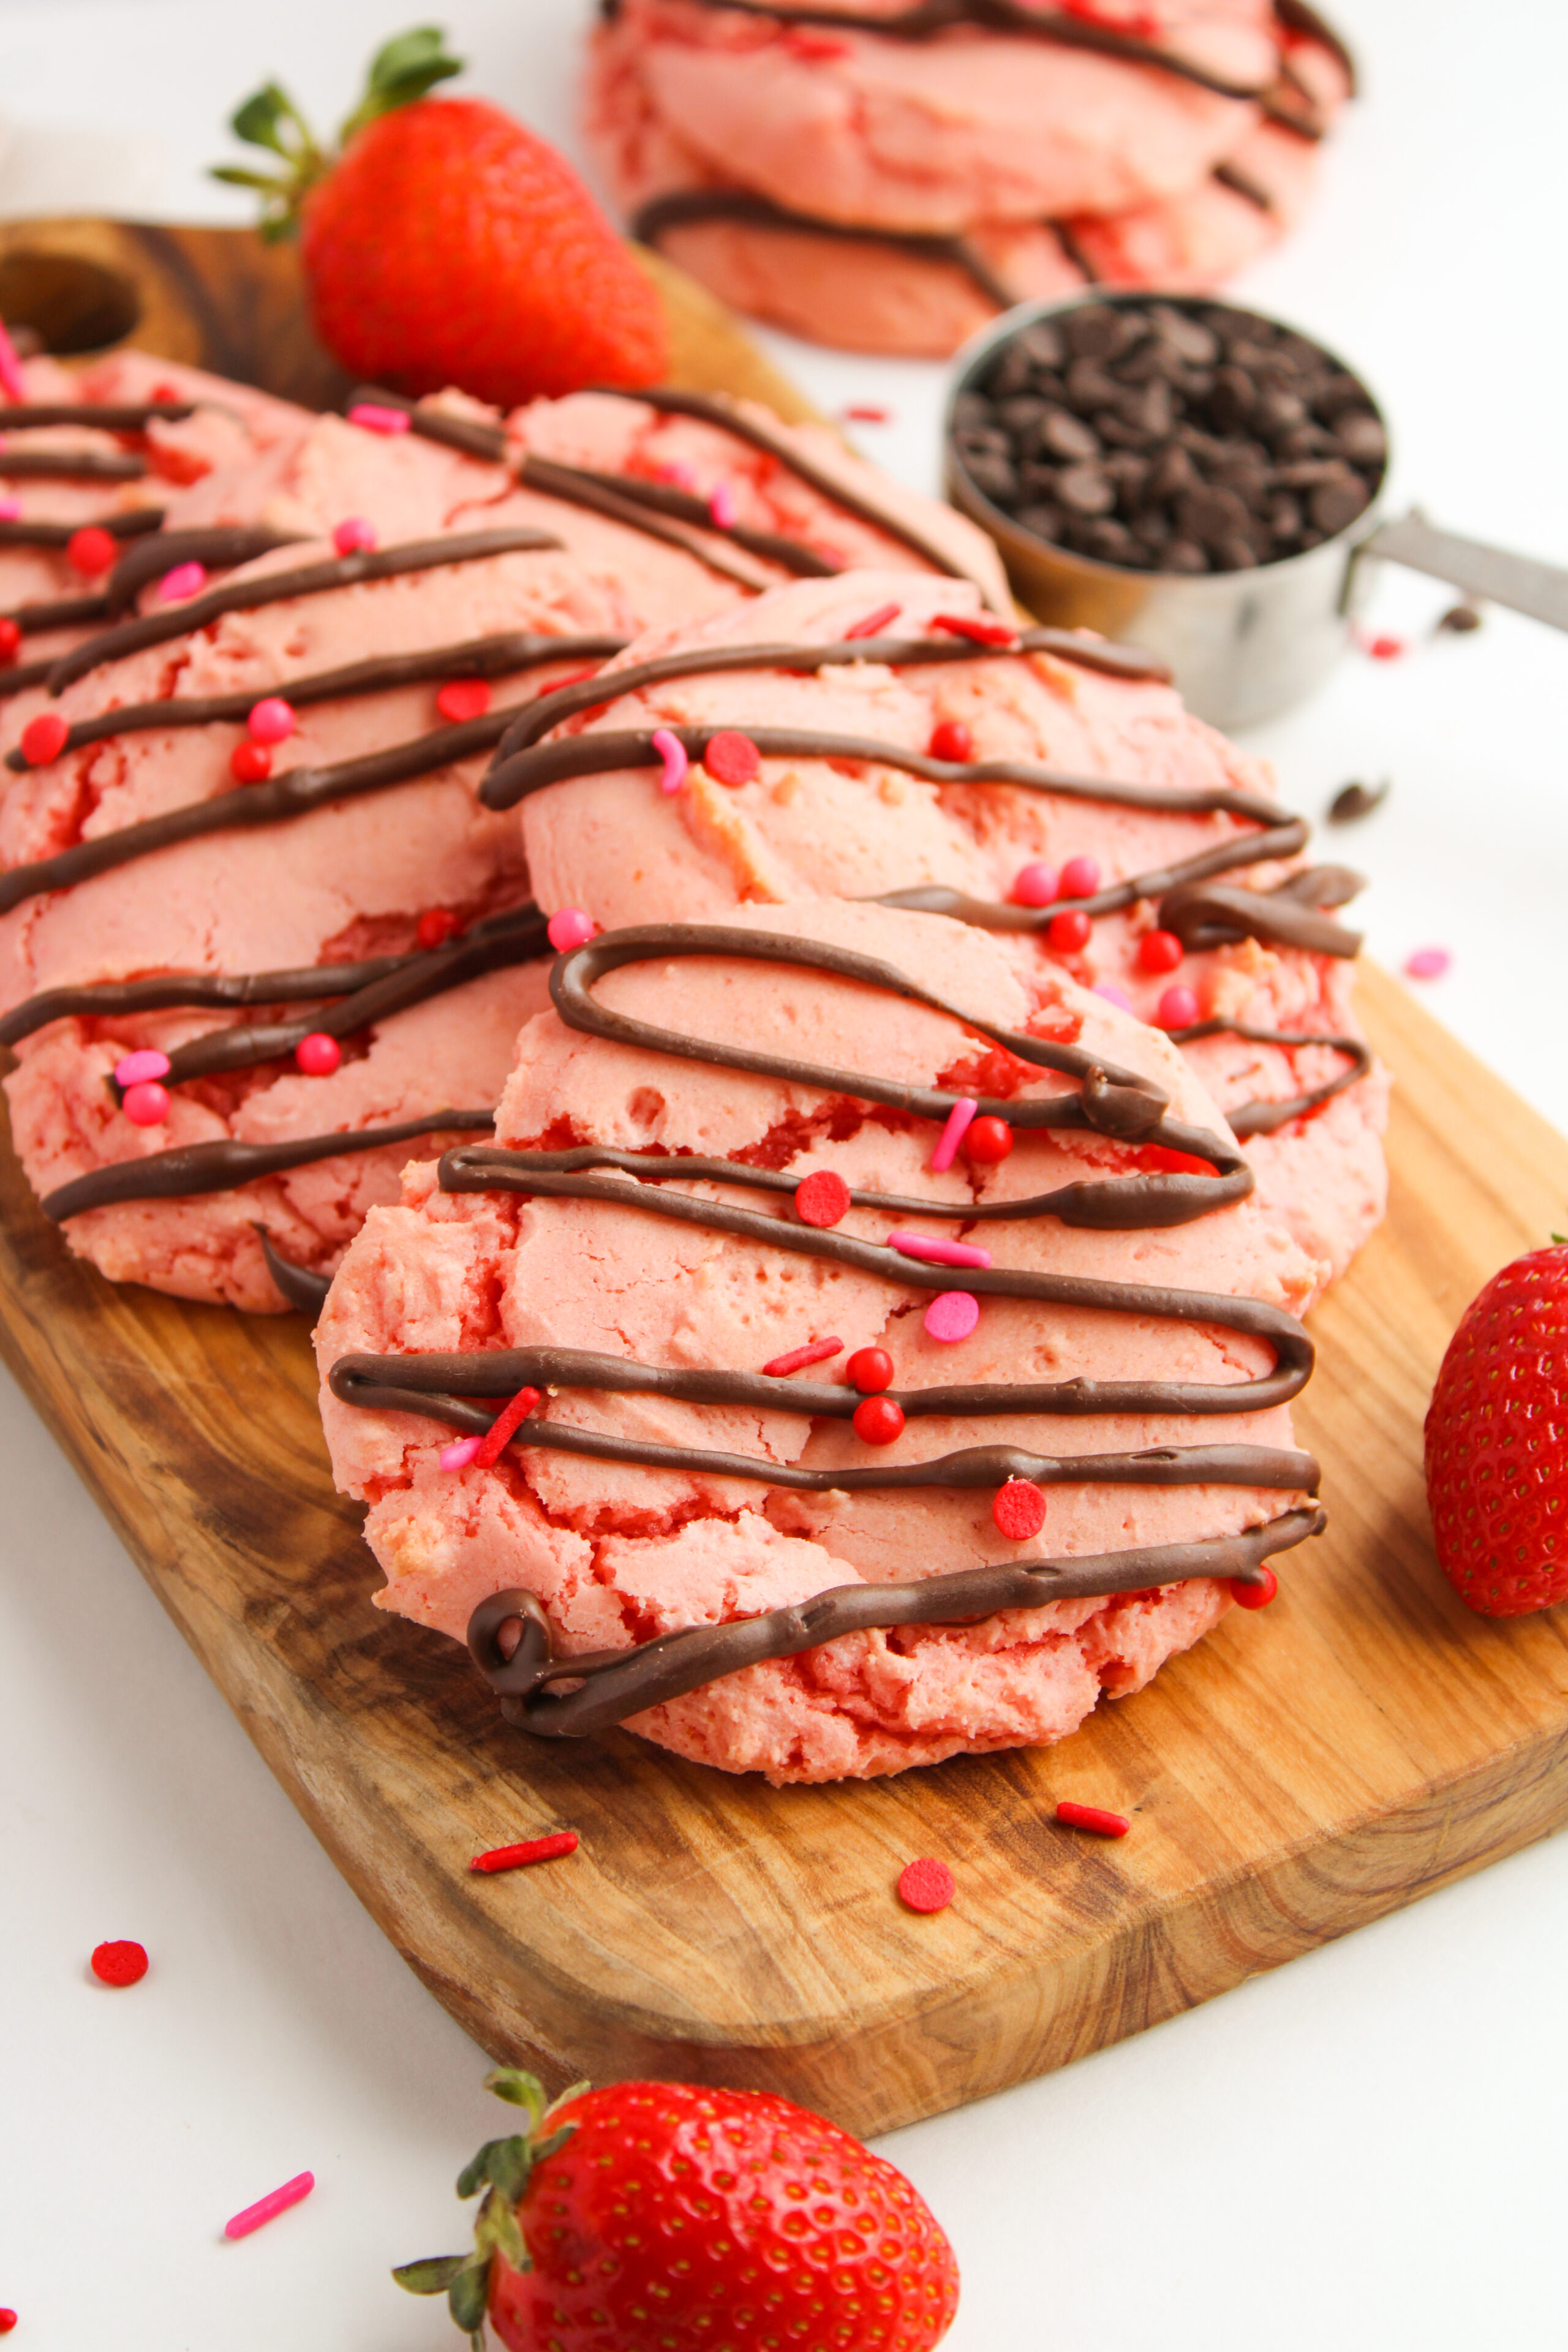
1304 1771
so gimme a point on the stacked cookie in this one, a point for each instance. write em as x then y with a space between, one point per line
888 174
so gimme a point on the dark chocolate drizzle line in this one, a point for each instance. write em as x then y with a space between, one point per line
129 417
1267 1117
498 657
615 1684
466 434
303 1289
17 677
551 711
578 488
69 464
1298 16
60 613
129 525
674 510
1231 176
192 1168
222 547
311 580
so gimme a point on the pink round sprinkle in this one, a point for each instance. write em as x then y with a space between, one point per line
1429 963
722 506
1178 1009
376 417
137 1069
1114 995
951 1314
10 509
938 1252
960 1119
267 2208
672 751
183 581
272 720
1036 886
318 1055
354 536
459 1456
1080 877
146 1105
13 382
926 1886
570 928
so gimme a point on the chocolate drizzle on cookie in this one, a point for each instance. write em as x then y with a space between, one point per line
132 524
1109 1101
220 547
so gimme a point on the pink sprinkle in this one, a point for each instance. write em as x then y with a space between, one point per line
680 476
272 720
951 1314
354 536
138 1069
1429 963
1036 886
376 418
12 381
10 509
672 751
293 2192
1080 877
874 622
1114 995
459 1456
936 1252
183 581
722 506
959 1120
866 412
1177 1009
570 928
818 1351
1385 648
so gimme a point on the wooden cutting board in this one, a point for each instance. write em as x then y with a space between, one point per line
1304 1771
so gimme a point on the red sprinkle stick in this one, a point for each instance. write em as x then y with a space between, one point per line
817 1352
514 1857
982 633
505 1427
874 622
1090 1817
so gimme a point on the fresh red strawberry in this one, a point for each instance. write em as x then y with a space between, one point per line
447 245
1497 1442
658 2217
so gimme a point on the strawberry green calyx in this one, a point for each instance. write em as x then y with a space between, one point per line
501 2170
408 66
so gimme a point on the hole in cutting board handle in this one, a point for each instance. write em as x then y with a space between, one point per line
71 305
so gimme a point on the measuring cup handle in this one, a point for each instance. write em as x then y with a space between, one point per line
1539 589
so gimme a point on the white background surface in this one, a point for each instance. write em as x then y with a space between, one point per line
1363 2149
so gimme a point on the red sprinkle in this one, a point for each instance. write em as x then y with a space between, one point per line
866 412
822 1198
981 633
318 1055
952 740
1386 649
926 1886
250 763
1019 1510
874 622
436 926
1159 951
1068 932
1254 1596
503 1428
731 758
818 1351
1090 1817
804 43
43 738
145 1103
870 1370
119 1964
464 698
517 1857
92 551
1178 1009
988 1141
878 1420
7 2321
10 638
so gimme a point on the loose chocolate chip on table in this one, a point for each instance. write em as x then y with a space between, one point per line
1460 619
1356 799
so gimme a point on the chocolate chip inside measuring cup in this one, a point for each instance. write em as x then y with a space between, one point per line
1161 437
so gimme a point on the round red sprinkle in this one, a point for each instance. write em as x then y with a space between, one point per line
926 1886
1069 932
7 2321
10 638
821 1198
464 698
1159 951
1092 1817
146 1105
119 1964
731 758
272 720
92 551
870 1370
1385 648
43 738
878 1420
1080 877
250 763
1254 1596
1019 1510
317 1054
568 929
1178 1009
952 740
988 1141
436 926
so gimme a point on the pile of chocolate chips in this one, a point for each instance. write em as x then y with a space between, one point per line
1166 438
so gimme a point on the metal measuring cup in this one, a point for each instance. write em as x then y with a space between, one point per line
1243 645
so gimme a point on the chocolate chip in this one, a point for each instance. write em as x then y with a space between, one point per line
1459 620
1111 541
1189 339
1333 505
971 410
1089 387
1172 472
1043 344
1021 414
1233 555
1045 521
1066 435
1095 332
1356 799
1233 399
1211 516
1278 412
1361 437
993 474
1184 555
1086 489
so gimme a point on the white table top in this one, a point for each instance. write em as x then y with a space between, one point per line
1362 2149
